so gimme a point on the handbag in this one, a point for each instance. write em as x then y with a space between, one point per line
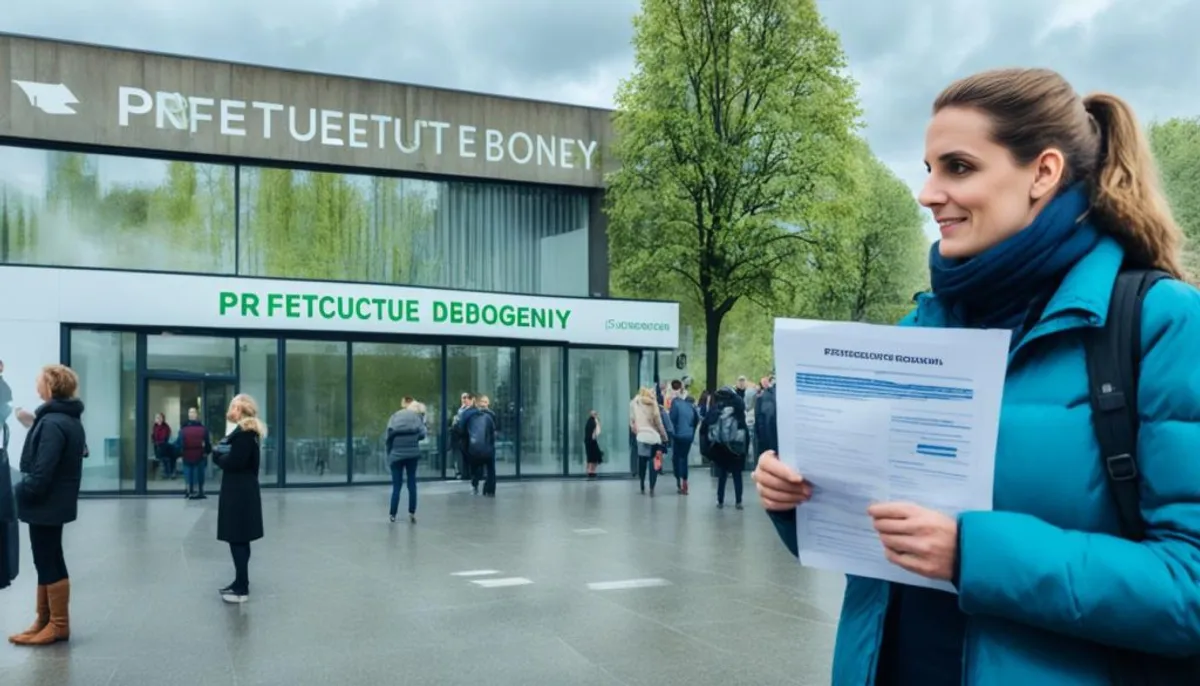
658 459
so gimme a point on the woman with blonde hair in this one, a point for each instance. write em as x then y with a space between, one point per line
645 422
239 510
406 429
1085 572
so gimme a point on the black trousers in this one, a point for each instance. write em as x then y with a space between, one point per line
46 542
241 567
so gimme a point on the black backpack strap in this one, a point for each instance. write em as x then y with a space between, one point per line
1114 355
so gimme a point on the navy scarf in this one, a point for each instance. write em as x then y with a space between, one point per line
996 288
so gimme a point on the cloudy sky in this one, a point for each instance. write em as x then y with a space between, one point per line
901 51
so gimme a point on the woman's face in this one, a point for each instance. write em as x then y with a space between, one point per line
232 415
43 389
159 419
979 195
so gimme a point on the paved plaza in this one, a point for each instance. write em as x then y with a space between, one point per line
571 583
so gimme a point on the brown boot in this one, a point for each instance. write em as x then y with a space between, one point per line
59 628
43 618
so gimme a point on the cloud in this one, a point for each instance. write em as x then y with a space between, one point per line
902 52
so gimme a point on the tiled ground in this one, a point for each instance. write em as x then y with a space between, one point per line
342 597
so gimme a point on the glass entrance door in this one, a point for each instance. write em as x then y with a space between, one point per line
180 402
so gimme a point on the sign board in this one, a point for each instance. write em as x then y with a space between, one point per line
120 298
67 92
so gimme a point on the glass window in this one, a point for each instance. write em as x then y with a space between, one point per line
475 236
604 381
484 370
106 362
193 354
258 371
384 374
88 210
315 420
541 411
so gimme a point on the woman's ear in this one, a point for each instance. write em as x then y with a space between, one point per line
1048 170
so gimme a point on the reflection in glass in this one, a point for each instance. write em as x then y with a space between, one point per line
88 210
385 373
106 362
316 411
194 354
489 371
257 376
475 236
605 381
542 412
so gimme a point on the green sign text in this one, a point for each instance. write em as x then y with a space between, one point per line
398 310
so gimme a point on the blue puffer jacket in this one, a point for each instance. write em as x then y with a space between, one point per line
1045 580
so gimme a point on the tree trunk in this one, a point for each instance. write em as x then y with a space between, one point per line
712 346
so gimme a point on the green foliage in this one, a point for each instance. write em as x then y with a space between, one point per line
737 118
1176 146
869 261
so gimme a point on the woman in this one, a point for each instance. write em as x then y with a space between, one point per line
591 443
405 431
160 436
1041 197
48 498
239 508
645 422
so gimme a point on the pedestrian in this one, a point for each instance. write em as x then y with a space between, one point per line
239 508
47 498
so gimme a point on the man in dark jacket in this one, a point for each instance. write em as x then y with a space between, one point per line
193 445
765 428
726 435
479 444
684 420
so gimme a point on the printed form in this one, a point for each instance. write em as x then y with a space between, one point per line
871 413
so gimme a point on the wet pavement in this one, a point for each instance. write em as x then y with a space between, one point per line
554 582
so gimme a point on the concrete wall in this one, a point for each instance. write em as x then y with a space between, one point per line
75 93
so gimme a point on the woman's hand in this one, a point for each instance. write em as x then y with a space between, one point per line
917 539
780 488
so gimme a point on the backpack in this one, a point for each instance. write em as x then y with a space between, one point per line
478 445
726 432
1114 356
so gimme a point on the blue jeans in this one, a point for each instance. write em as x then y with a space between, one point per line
399 468
679 458
193 475
723 472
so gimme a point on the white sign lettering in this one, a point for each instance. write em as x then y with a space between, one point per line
335 128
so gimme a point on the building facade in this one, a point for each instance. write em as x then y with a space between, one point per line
181 230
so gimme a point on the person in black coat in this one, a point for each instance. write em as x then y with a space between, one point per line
239 510
10 544
729 461
48 498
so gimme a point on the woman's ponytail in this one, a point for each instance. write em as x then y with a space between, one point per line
1128 201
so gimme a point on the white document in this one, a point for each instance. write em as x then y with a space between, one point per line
871 413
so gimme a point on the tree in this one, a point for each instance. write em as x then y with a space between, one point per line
1176 145
736 119
868 268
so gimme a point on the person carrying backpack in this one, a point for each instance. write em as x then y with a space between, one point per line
726 439
194 445
479 444
1085 571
